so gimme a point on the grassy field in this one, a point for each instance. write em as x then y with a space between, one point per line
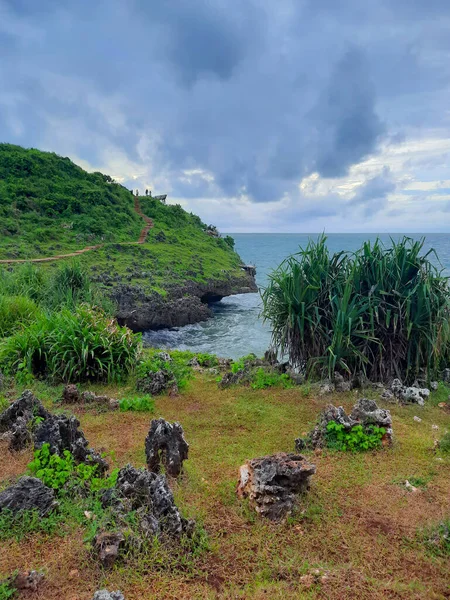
359 525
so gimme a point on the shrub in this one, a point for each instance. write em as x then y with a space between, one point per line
175 370
138 404
358 438
7 590
263 378
16 312
381 311
73 346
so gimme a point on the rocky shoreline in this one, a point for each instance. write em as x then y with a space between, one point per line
183 305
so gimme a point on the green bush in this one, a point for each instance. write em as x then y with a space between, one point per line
381 311
72 346
263 378
16 312
137 404
176 369
7 590
358 438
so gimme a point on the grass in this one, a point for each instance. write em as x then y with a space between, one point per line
357 525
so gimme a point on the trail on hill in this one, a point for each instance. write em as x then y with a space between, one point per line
141 240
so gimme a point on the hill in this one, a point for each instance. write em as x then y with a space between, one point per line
50 207
49 204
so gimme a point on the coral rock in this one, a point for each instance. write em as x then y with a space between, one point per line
105 595
107 544
29 493
272 483
165 444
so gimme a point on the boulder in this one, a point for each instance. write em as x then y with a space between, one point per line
29 493
27 580
165 444
105 595
19 417
155 382
150 498
412 394
272 483
365 412
70 394
230 378
63 433
340 384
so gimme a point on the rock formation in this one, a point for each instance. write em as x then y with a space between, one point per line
16 418
28 493
72 395
272 483
365 412
165 444
105 595
408 394
149 496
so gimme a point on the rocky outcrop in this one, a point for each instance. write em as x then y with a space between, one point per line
183 305
28 493
26 421
105 595
413 394
273 483
150 498
365 412
165 444
72 395
156 382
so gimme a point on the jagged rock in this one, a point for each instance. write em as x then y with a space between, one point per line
434 385
326 388
28 580
397 387
107 545
194 363
105 595
340 384
272 483
150 497
388 395
165 444
19 417
27 494
156 382
446 375
297 377
231 378
70 394
365 412
163 356
411 394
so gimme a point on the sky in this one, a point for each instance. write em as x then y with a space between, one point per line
257 115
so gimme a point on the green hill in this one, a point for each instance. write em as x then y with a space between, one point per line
48 204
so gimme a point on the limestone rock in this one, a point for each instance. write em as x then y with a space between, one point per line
340 384
70 394
28 580
231 378
155 382
412 394
27 494
326 388
16 418
272 483
365 412
165 444
107 545
446 375
105 595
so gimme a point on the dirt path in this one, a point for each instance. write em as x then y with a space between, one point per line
141 240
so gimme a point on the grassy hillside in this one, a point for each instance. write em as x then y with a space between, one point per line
49 205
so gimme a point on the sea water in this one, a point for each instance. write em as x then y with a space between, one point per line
236 328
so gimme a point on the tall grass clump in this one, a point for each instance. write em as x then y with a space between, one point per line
381 311
16 312
72 346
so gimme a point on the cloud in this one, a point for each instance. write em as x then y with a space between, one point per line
238 106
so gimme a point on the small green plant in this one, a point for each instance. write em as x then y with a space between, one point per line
358 438
16 312
138 404
207 360
7 590
263 379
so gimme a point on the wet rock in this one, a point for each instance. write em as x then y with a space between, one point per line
19 419
150 497
272 483
70 394
365 412
165 444
105 595
28 580
107 546
29 493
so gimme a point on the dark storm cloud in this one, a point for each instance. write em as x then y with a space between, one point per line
254 94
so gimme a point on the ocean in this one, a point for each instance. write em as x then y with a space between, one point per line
236 328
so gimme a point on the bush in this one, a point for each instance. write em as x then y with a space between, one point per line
262 379
16 312
83 345
138 404
358 438
175 370
381 311
7 590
